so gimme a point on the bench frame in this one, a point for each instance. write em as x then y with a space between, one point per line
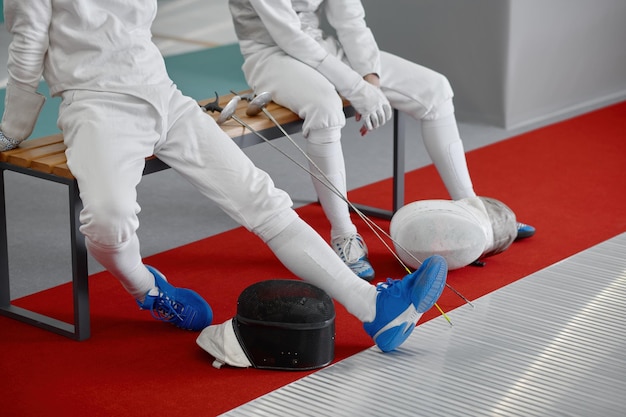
80 329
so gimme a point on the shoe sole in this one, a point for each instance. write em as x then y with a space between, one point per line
524 235
430 283
366 277
398 330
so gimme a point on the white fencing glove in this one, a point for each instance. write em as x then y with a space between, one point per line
21 110
367 99
6 144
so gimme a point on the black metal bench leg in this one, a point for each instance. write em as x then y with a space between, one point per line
5 290
80 270
399 139
399 150
80 329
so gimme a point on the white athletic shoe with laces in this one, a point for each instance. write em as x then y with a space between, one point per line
353 251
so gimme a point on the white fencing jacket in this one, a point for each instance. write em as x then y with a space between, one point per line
294 26
65 41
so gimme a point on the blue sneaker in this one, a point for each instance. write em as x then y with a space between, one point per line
524 230
400 303
182 307
353 252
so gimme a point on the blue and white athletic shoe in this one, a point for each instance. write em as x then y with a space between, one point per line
182 307
400 303
353 252
524 230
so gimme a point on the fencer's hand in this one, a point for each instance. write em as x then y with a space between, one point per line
6 144
371 106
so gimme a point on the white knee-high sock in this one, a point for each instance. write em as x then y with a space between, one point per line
124 262
305 254
444 145
324 149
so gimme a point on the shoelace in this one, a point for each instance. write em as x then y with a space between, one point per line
352 249
166 309
390 286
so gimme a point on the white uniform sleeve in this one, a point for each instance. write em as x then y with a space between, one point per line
283 25
28 22
347 17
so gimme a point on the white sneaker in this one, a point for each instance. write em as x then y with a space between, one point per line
353 251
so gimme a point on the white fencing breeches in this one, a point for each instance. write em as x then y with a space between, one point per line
418 91
108 137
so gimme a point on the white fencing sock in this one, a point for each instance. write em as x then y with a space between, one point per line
324 149
124 262
305 254
444 145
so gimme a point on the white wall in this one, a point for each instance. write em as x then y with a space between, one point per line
565 56
513 63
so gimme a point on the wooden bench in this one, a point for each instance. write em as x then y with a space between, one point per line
45 158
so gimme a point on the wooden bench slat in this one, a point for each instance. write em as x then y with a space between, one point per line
25 159
62 170
47 163
46 140
31 144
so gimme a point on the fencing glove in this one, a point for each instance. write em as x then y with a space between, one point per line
367 99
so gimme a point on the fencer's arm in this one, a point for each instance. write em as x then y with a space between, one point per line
373 79
21 111
367 99
283 25
347 17
28 23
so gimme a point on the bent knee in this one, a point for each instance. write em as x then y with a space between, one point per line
272 225
109 223
439 111
325 112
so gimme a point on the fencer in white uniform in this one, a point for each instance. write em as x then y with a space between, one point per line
118 107
288 54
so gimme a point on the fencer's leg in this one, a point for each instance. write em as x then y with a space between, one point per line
305 253
124 262
325 153
181 307
443 143
108 168
324 148
389 310
306 92
427 96
107 160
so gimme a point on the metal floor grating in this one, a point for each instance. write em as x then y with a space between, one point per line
551 344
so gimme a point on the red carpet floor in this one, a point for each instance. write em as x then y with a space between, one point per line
567 179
